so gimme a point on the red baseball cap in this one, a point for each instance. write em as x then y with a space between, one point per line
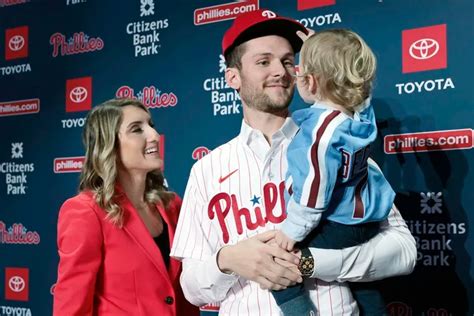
260 23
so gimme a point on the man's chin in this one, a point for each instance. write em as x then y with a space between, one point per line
281 102
277 108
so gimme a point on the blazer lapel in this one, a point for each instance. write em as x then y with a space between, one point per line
137 230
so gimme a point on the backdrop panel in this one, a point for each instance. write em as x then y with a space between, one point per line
60 58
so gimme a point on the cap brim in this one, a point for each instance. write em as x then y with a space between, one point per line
278 26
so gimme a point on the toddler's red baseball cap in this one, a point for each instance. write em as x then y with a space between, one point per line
260 23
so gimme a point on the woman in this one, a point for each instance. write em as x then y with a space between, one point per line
114 236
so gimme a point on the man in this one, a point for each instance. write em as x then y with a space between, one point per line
235 195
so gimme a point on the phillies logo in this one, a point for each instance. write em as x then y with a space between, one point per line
221 12
18 107
16 284
78 43
222 203
6 3
150 96
429 141
16 43
399 309
424 48
269 14
310 4
18 234
68 164
79 94
437 312
200 152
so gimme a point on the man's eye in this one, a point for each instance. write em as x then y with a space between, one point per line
289 63
263 62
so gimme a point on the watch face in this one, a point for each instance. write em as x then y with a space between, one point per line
306 266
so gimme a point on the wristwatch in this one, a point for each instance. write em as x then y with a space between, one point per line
306 265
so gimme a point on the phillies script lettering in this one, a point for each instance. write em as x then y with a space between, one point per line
220 205
150 96
77 44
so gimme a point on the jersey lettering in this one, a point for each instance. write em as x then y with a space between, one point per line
222 203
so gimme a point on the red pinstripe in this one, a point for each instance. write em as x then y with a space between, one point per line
281 161
189 233
248 168
240 175
269 303
259 172
342 300
220 169
330 299
235 298
203 178
241 294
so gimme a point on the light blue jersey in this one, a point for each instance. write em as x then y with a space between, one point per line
328 171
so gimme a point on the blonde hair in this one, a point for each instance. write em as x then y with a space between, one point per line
343 64
99 172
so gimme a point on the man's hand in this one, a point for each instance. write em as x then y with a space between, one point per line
293 267
253 259
284 241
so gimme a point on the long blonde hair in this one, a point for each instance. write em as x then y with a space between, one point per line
99 172
343 64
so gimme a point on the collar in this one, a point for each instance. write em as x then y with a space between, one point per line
358 109
287 130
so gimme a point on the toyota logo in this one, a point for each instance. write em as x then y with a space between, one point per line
424 48
16 43
16 283
78 94
269 14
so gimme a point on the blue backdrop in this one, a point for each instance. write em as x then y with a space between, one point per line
59 58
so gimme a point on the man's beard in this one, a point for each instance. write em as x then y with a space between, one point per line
261 101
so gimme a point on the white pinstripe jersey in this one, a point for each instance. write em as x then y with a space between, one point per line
233 193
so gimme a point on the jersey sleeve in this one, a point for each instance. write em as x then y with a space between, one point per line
390 253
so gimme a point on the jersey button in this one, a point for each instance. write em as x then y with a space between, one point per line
169 300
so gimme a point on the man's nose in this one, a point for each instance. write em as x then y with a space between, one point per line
279 69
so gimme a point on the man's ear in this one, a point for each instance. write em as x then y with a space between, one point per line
312 83
232 77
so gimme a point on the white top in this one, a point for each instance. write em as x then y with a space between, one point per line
229 194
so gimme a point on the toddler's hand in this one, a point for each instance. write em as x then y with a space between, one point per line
284 241
303 36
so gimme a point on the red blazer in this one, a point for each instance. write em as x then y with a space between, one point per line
106 270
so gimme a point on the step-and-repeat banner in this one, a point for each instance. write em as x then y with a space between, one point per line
60 58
